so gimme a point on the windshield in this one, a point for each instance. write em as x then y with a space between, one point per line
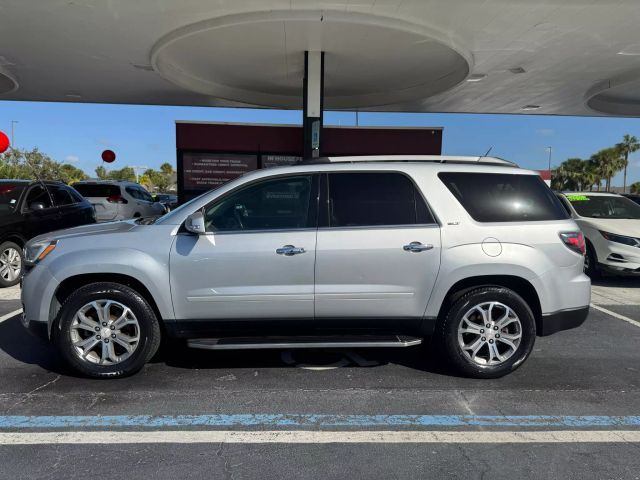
9 196
595 206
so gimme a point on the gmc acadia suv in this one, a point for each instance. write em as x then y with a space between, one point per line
474 253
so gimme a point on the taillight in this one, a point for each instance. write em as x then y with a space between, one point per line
574 241
116 199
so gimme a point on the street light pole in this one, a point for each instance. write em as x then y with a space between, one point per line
13 122
549 149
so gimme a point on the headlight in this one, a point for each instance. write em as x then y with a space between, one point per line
36 251
612 237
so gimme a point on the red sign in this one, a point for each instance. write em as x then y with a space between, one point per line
4 142
204 171
108 156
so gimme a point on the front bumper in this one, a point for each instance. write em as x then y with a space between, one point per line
562 320
35 328
38 291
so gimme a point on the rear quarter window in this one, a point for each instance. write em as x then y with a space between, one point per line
503 197
88 190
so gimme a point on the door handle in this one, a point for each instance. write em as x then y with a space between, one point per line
289 250
417 247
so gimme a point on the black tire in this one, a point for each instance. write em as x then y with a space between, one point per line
149 329
591 262
7 246
447 333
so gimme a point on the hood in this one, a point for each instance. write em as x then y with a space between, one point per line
89 230
619 226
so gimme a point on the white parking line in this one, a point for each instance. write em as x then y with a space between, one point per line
314 437
616 315
10 315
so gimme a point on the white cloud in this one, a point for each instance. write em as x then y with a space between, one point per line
545 132
72 159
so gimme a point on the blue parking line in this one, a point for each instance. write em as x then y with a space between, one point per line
312 420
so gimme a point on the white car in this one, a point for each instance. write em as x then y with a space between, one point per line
611 225
119 200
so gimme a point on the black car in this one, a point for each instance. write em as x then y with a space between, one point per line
634 197
28 209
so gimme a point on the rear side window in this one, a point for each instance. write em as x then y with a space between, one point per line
375 199
61 195
501 197
97 190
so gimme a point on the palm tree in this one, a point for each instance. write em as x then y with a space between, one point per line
628 145
606 163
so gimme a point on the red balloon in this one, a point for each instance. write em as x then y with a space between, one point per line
4 142
108 156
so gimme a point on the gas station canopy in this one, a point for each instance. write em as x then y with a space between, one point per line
568 57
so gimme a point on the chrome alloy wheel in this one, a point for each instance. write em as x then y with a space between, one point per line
489 333
105 332
10 264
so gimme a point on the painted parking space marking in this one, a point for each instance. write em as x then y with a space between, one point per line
616 315
315 437
21 422
9 315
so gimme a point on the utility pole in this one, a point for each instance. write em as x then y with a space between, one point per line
13 122
136 168
549 150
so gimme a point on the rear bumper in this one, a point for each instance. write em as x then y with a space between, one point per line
562 320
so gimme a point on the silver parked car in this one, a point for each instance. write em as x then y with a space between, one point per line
473 253
119 200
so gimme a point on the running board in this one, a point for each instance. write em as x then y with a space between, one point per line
257 343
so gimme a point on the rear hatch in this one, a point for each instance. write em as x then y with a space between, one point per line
105 198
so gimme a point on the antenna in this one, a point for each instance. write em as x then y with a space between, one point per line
488 151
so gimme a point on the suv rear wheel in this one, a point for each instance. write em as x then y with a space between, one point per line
11 264
107 330
488 332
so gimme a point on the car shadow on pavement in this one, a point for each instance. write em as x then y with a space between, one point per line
19 344
417 358
610 281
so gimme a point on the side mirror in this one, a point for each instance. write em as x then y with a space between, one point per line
36 206
195 223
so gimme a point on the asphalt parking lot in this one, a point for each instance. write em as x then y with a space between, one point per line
572 411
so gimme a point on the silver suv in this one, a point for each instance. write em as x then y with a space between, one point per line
474 253
119 199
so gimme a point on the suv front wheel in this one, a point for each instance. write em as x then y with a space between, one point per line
107 330
488 332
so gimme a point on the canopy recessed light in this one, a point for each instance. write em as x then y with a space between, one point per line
476 77
530 107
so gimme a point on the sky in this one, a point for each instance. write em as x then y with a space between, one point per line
145 135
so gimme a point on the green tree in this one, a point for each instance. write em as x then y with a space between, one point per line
606 163
628 145
33 164
125 173
166 168
101 173
635 187
70 174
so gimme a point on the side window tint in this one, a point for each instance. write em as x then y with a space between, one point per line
134 192
37 194
370 199
144 195
76 196
280 203
565 204
61 196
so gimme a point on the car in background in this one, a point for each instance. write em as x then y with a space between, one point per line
28 209
119 200
611 225
169 201
634 197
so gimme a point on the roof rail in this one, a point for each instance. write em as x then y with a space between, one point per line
417 158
